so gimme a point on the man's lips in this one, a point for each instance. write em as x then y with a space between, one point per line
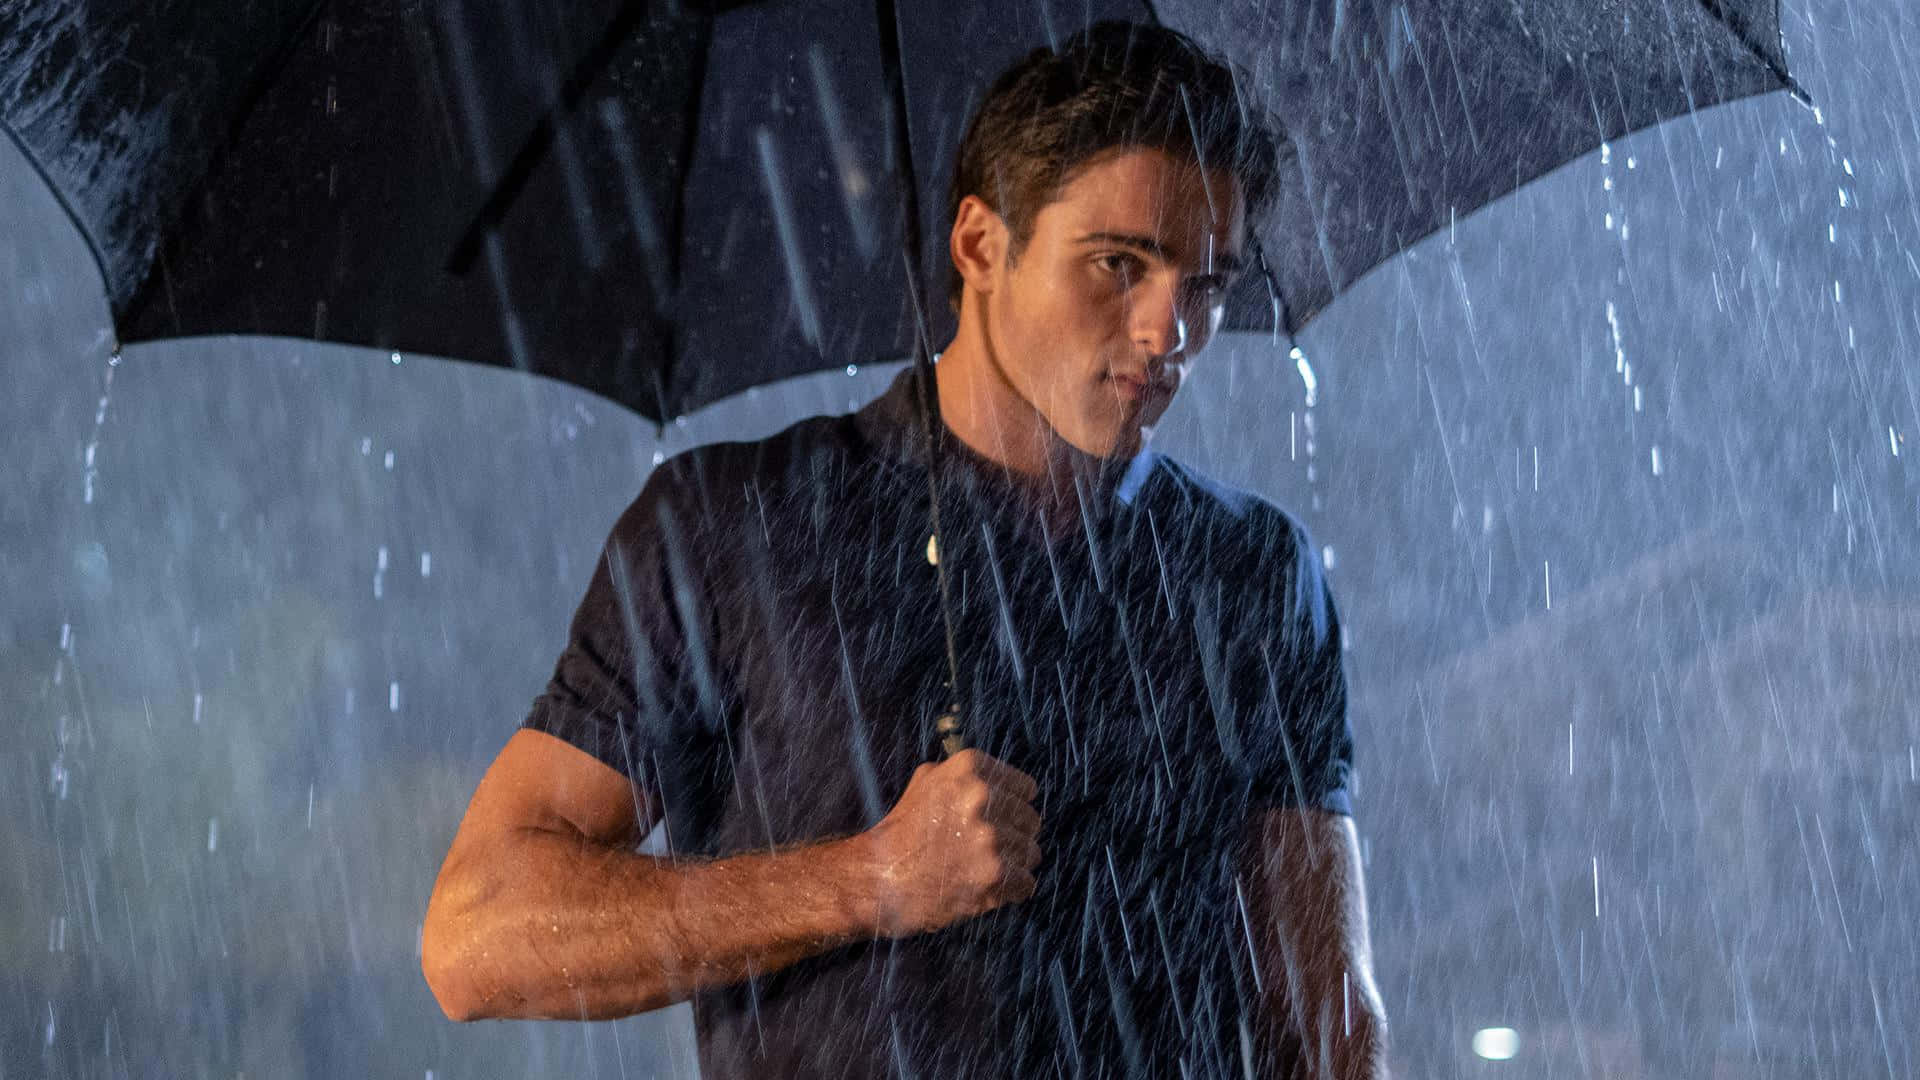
1138 387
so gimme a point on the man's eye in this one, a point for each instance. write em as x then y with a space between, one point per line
1125 265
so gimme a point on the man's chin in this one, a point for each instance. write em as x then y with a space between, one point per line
1113 445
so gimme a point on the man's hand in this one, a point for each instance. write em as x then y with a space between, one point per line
959 843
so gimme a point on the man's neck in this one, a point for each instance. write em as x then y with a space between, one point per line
980 408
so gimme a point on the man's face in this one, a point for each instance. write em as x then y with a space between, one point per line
1120 286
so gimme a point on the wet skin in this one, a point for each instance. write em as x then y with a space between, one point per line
1070 351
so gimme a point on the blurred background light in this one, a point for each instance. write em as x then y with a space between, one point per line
1496 1044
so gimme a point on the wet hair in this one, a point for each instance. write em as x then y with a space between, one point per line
1112 87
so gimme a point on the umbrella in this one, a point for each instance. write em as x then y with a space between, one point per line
668 207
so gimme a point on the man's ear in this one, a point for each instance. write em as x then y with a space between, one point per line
978 243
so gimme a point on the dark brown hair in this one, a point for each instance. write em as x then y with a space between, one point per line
1113 86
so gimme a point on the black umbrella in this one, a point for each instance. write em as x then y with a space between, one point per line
667 208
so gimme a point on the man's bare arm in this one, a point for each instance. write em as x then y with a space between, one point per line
544 910
1306 897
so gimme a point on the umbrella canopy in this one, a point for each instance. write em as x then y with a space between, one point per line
667 208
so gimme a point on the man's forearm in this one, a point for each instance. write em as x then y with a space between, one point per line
1307 902
537 924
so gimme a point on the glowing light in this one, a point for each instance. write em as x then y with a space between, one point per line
1496 1044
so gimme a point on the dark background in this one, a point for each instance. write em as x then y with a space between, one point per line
1619 511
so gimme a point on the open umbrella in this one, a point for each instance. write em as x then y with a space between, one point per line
667 207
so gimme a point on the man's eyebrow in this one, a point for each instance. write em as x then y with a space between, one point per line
1223 263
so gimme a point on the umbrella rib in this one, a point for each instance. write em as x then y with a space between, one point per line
1743 32
534 150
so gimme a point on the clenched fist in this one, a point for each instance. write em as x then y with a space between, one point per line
959 843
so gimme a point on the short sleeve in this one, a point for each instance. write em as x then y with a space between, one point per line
637 685
1278 682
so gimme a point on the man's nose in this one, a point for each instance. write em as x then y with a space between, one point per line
1159 326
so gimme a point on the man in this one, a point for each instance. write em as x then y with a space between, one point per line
1143 863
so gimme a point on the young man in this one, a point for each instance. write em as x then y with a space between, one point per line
1143 864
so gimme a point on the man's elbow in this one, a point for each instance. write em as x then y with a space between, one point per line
449 950
447 974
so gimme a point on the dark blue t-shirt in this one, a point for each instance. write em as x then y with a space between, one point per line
761 647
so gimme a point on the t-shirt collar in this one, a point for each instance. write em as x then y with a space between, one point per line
892 424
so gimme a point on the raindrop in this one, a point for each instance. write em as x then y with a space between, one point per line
855 184
389 461
66 634
853 369
393 697
1893 441
426 564
198 701
658 457
395 357
799 281
213 833
1307 377
1326 557
366 447
1547 568
1656 461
